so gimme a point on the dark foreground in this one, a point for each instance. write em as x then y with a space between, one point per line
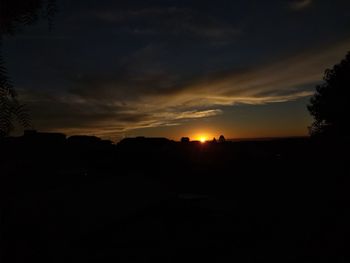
146 201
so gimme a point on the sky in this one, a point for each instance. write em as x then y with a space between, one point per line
174 68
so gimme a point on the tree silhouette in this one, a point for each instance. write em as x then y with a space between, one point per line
10 108
329 106
13 15
222 139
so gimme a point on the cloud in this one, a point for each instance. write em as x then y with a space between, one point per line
196 114
127 15
170 21
300 4
109 105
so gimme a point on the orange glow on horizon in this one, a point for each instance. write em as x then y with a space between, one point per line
202 137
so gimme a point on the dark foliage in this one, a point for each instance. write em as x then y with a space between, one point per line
329 105
17 13
10 108
82 199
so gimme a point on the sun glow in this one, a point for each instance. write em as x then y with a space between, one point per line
202 139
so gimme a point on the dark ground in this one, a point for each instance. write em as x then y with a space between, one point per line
280 200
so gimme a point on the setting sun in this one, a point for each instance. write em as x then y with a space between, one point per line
202 139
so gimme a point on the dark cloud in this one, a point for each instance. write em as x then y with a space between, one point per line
70 112
110 67
170 21
300 4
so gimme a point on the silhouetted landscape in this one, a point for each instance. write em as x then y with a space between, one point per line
144 199
173 131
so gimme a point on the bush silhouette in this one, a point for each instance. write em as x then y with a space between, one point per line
329 105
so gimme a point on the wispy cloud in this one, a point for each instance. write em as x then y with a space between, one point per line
101 106
132 14
300 4
171 21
